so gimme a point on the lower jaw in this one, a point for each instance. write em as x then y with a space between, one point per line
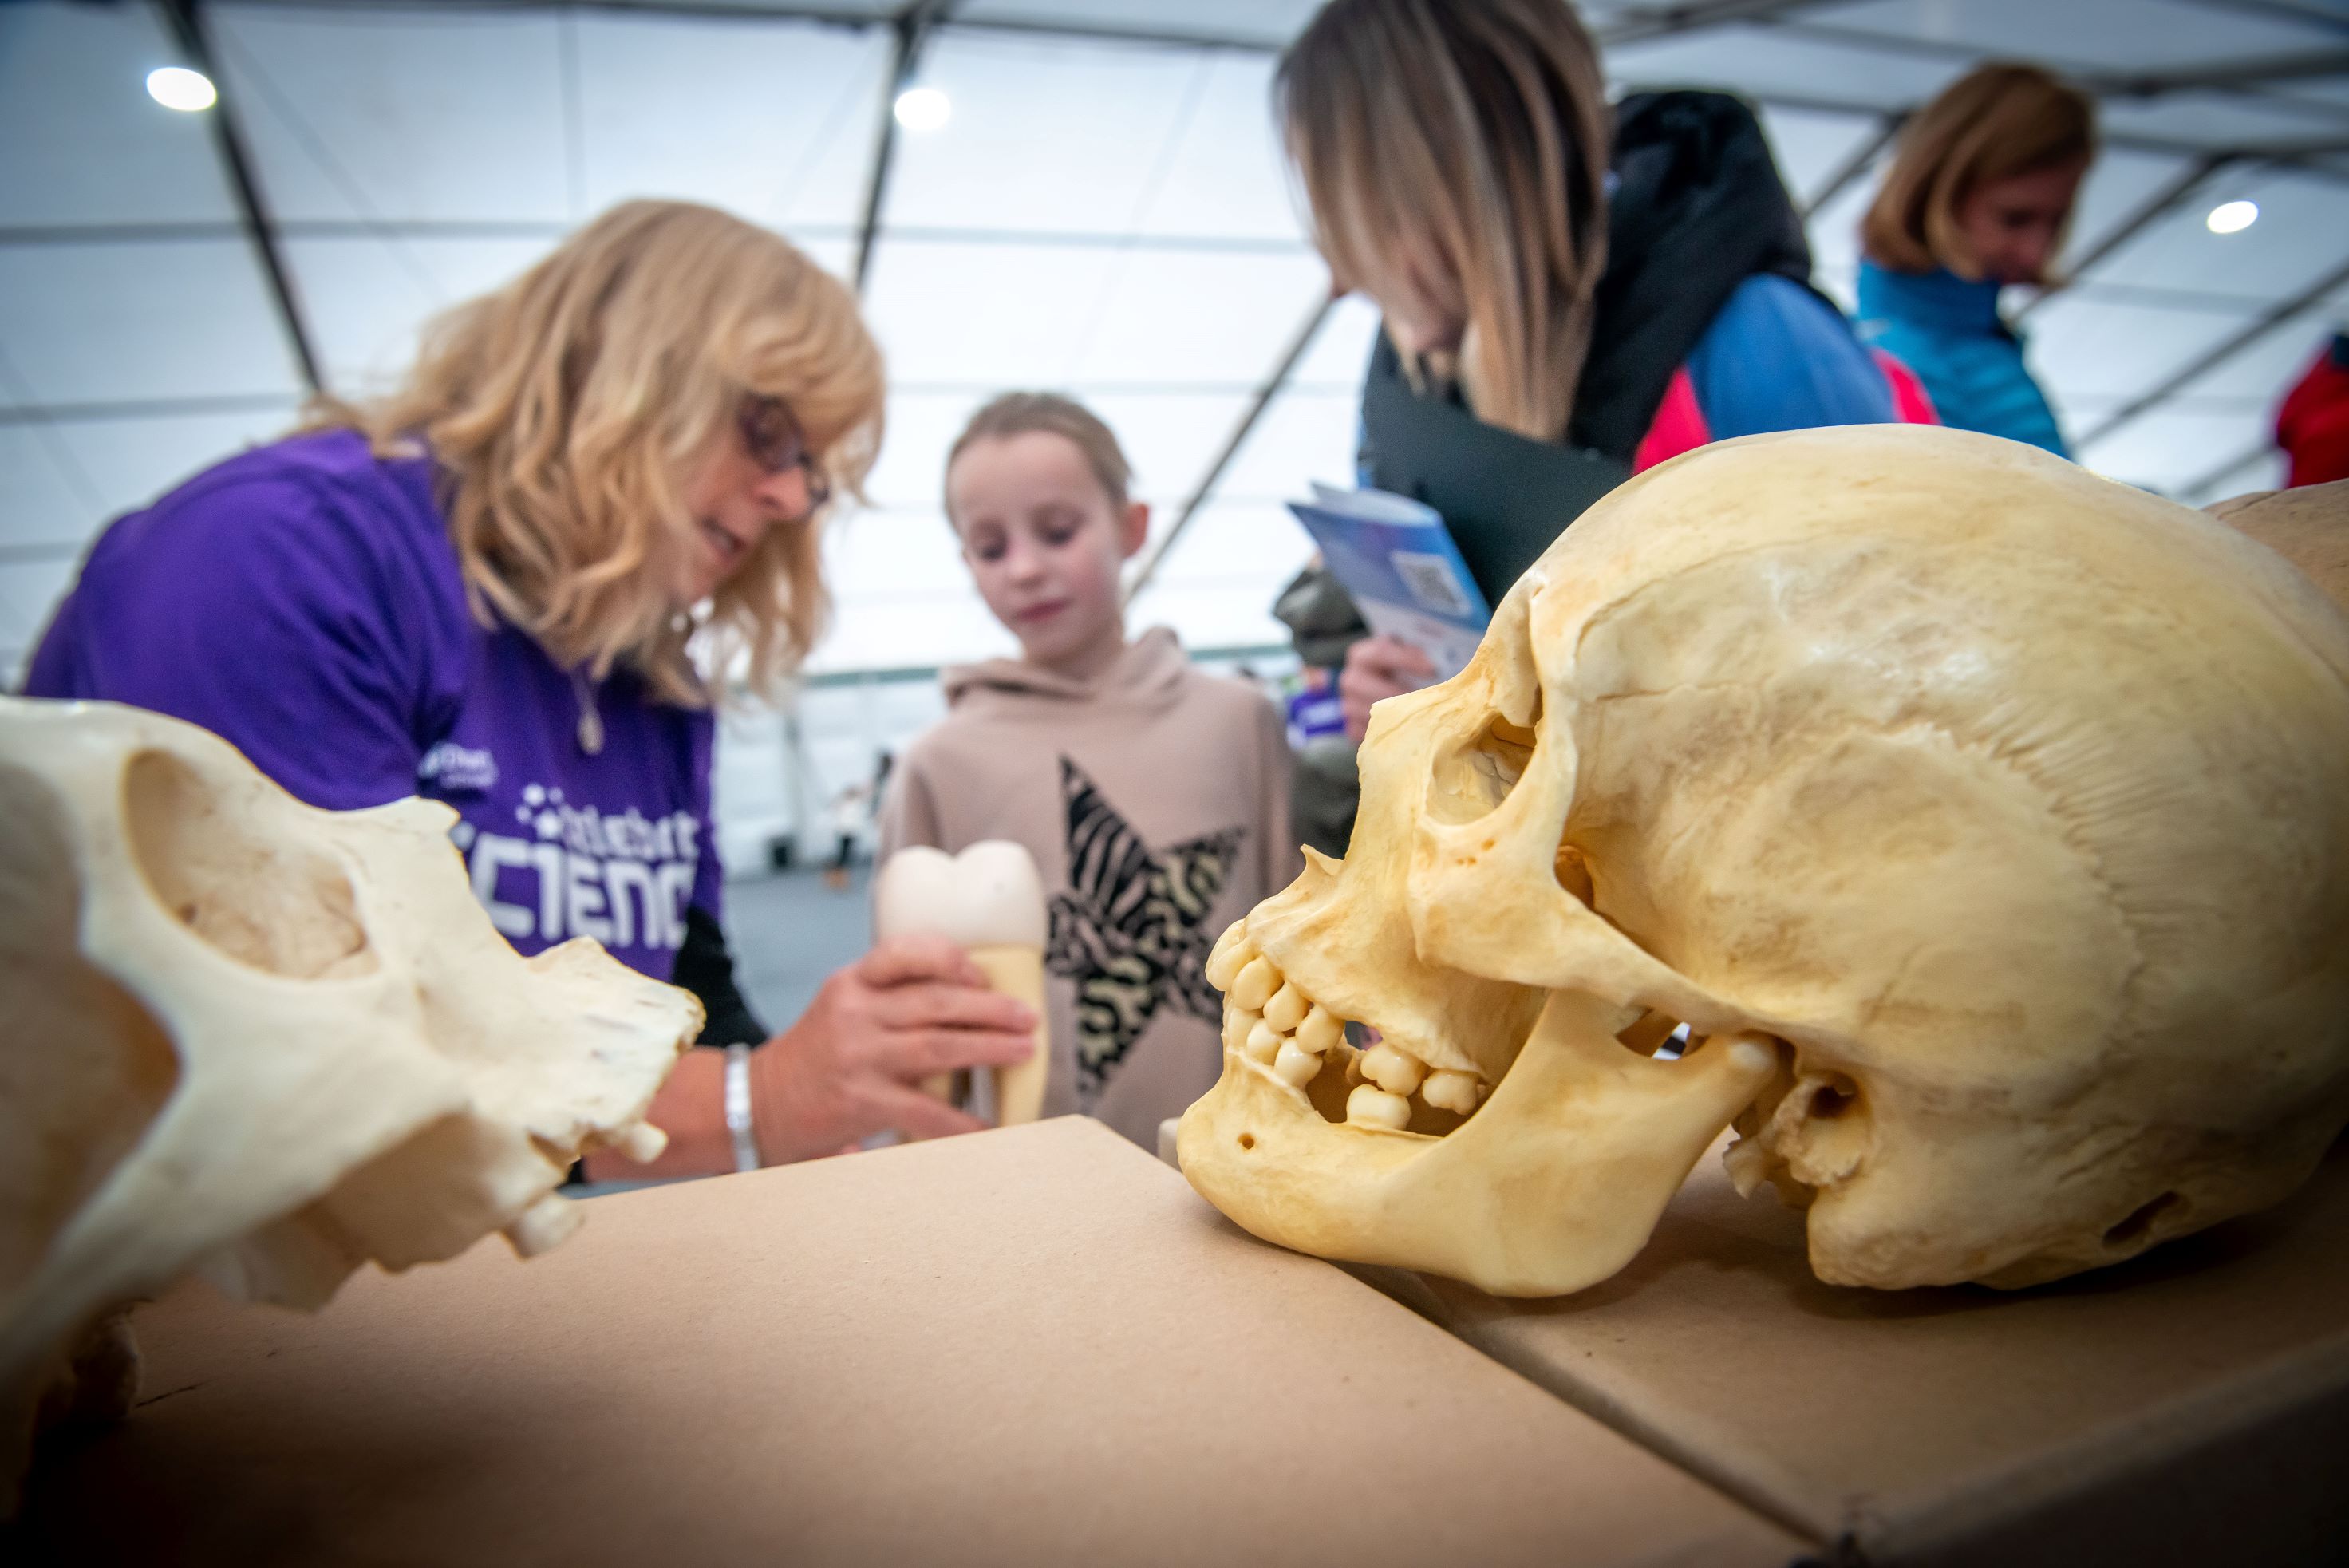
1552 1185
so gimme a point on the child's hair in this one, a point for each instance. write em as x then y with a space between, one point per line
1996 121
1025 413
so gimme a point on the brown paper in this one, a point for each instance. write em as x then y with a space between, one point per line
2191 1405
1026 1347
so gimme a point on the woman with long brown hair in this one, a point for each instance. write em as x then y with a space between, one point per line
498 586
1571 289
1978 197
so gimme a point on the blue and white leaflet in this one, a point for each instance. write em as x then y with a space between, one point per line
1397 560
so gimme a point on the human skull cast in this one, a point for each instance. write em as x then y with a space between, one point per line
268 1041
1979 829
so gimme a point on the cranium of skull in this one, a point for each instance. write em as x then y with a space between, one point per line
268 1041
1979 827
2308 526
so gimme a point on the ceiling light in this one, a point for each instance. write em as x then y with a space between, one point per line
2232 217
176 87
923 108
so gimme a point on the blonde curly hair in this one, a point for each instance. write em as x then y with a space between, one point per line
568 411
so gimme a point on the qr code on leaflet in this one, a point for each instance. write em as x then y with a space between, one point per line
1431 582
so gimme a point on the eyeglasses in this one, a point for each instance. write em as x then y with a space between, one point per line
774 437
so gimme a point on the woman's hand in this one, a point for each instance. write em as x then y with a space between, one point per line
912 1008
908 1010
1378 668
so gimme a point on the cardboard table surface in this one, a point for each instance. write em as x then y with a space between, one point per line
1032 1345
2191 1405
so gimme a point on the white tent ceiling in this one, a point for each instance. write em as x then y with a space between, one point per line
1105 211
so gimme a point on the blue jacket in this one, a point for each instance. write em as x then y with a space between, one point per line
1779 357
1949 331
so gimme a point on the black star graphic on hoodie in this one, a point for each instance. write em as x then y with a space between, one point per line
1131 930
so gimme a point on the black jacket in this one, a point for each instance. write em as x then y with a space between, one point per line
1695 207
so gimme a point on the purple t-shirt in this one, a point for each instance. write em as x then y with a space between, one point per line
304 601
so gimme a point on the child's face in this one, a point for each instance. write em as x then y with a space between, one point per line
1043 540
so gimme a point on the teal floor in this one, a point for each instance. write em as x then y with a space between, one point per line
788 931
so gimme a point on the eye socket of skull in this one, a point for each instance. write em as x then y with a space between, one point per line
1472 779
98 1099
279 906
1572 869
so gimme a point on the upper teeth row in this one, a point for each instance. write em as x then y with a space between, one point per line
1274 1023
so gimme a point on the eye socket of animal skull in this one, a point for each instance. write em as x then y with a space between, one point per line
1984 823
268 1041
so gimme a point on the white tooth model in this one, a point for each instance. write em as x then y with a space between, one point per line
267 1042
988 900
1985 824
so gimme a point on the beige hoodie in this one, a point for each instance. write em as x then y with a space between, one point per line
1156 800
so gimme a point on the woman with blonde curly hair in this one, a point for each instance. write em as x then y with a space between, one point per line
498 585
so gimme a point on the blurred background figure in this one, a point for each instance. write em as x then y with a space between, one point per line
2311 428
1551 261
1559 267
1978 197
1313 708
850 816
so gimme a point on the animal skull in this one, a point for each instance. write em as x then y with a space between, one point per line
1986 824
267 1040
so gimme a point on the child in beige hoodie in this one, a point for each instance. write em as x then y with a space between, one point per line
1153 797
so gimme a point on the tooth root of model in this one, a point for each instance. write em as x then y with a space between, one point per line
1225 958
1254 985
1263 1042
1393 1069
1450 1091
1295 1067
1287 1009
988 899
1372 1106
1318 1030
